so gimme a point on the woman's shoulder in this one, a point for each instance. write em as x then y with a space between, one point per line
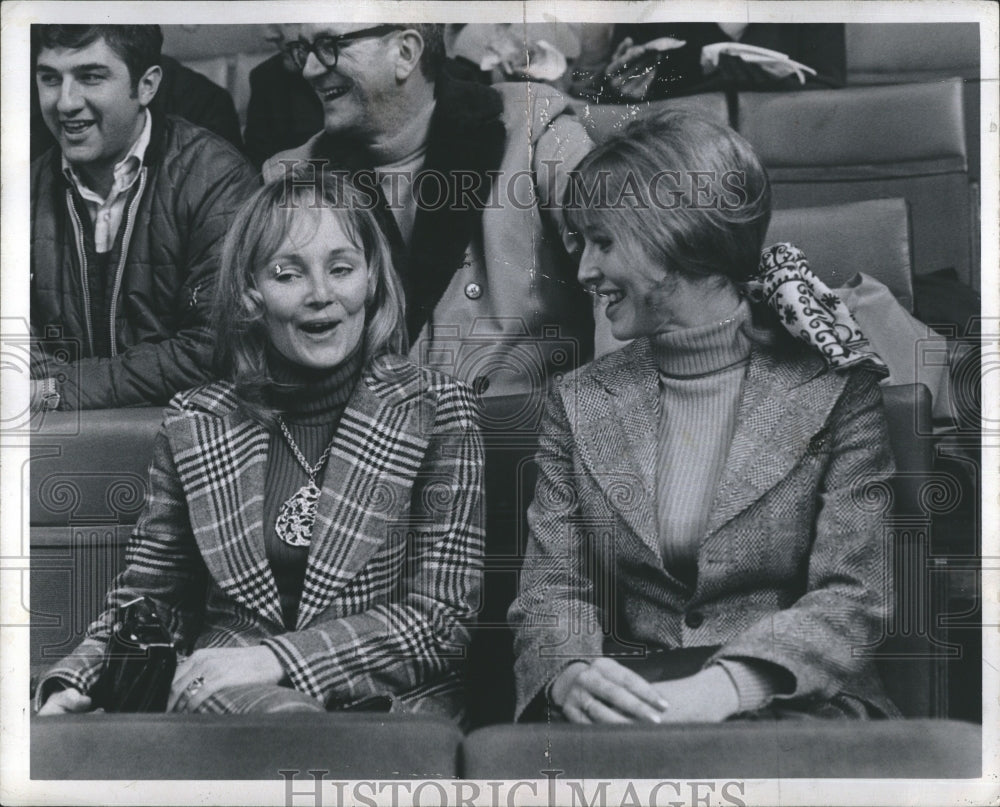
630 360
216 398
397 377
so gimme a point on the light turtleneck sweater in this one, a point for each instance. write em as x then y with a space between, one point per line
701 375
311 403
701 372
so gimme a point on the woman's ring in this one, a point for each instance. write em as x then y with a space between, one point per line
195 685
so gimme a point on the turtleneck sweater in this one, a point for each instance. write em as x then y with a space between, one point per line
310 403
701 372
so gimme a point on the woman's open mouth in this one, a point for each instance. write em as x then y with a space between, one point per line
320 328
608 297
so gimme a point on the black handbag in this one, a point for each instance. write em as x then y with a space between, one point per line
668 665
139 662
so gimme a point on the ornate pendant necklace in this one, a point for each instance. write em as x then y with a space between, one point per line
298 513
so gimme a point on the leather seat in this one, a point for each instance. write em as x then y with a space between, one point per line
909 656
925 749
858 143
893 53
841 240
157 746
604 120
88 483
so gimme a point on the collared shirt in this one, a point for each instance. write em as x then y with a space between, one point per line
106 214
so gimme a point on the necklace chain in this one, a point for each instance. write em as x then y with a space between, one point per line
311 471
297 515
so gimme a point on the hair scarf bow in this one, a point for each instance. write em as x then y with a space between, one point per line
809 310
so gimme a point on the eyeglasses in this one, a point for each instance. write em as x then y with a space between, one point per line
327 48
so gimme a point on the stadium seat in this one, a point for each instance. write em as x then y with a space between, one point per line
924 749
604 120
909 655
894 53
853 144
88 483
510 430
840 240
157 746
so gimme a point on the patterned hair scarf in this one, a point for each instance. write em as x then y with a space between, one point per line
809 310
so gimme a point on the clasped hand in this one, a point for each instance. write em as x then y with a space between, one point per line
206 671
605 691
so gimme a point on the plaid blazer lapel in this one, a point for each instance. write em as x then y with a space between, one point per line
619 434
220 460
784 403
377 451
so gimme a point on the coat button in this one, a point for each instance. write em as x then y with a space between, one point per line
694 619
473 291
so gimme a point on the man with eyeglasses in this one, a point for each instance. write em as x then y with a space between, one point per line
467 181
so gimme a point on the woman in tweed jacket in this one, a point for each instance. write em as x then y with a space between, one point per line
706 488
312 536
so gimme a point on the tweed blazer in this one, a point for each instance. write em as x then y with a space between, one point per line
791 568
393 572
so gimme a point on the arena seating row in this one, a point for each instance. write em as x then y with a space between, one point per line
351 746
81 519
920 53
853 144
907 125
88 482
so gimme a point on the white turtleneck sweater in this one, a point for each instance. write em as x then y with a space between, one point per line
701 377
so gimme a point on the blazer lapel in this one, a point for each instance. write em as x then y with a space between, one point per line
620 440
220 461
782 406
377 452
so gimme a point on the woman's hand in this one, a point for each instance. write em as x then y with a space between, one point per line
65 701
604 691
207 671
708 696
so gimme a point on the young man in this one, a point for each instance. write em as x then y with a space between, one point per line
467 180
128 214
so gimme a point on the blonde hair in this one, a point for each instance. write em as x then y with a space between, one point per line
723 238
256 233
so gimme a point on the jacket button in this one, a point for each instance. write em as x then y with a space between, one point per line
694 619
473 291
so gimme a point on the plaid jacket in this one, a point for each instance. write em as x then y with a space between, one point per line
393 573
791 569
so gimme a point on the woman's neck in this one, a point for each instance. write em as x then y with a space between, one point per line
699 302
306 393
707 348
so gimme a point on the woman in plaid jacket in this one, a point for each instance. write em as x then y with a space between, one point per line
312 536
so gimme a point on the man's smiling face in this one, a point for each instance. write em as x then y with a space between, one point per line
362 90
90 103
